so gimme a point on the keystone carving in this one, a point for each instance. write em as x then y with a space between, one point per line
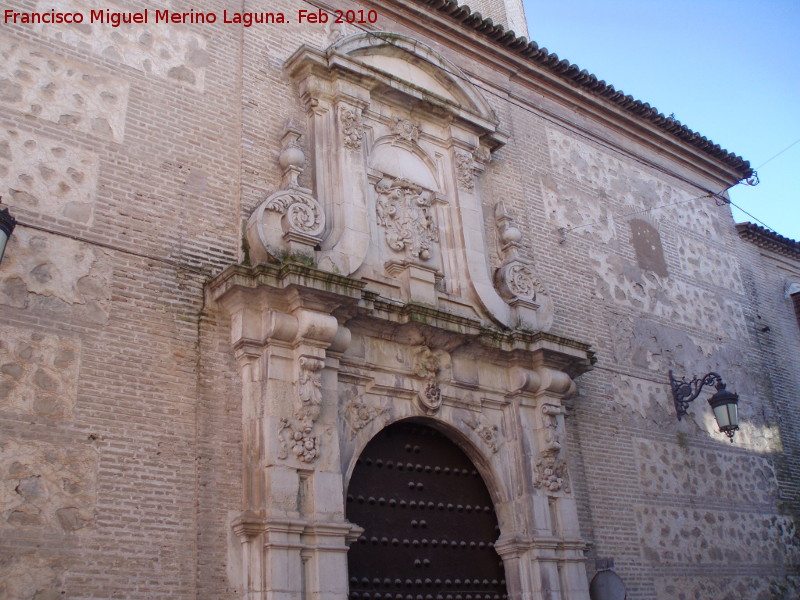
426 363
352 128
464 173
405 211
301 442
431 398
427 366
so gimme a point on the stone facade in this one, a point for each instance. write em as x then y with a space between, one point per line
244 251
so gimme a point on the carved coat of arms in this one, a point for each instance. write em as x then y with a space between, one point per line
405 210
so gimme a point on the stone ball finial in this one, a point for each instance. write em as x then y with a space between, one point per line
292 156
510 235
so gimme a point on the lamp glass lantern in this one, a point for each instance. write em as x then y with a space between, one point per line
725 405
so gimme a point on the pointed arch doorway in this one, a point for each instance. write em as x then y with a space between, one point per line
429 522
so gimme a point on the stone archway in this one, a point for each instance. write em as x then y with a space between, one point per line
429 522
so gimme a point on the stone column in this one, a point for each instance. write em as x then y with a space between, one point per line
288 345
555 550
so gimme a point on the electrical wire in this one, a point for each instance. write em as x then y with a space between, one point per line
507 95
769 160
78 238
752 217
575 130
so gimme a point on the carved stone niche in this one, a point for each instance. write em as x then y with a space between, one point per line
399 136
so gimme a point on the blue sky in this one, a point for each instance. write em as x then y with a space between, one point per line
728 69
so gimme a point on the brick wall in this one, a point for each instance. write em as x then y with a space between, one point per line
132 157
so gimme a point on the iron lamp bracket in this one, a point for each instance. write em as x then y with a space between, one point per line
685 392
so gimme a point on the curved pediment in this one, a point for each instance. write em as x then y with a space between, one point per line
416 64
398 69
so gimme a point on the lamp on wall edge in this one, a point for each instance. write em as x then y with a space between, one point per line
7 224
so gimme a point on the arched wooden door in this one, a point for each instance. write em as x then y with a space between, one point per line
429 522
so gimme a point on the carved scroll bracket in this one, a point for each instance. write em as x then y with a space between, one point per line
552 440
550 470
427 365
289 222
516 280
541 380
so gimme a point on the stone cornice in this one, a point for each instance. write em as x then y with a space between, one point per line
293 284
768 240
284 275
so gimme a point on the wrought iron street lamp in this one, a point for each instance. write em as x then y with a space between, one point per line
7 223
725 404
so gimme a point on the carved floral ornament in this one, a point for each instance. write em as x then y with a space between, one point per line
352 128
551 475
520 280
359 414
301 442
405 211
464 171
487 433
